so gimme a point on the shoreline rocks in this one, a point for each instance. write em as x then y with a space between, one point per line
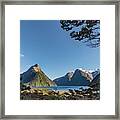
45 94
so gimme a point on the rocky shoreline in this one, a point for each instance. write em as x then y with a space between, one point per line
34 78
45 94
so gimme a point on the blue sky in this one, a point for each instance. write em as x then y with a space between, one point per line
45 43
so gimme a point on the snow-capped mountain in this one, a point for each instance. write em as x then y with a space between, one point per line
69 75
34 76
95 73
79 77
95 82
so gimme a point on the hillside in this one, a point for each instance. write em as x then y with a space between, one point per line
34 76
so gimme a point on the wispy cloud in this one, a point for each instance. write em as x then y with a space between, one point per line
21 55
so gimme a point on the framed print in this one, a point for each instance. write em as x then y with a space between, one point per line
60 59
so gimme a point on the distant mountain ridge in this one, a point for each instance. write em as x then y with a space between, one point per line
34 76
96 82
78 78
95 73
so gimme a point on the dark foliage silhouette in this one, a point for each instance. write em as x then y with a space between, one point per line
87 31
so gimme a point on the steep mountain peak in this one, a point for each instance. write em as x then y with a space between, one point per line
36 65
77 71
80 77
84 73
69 75
95 73
36 68
36 77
